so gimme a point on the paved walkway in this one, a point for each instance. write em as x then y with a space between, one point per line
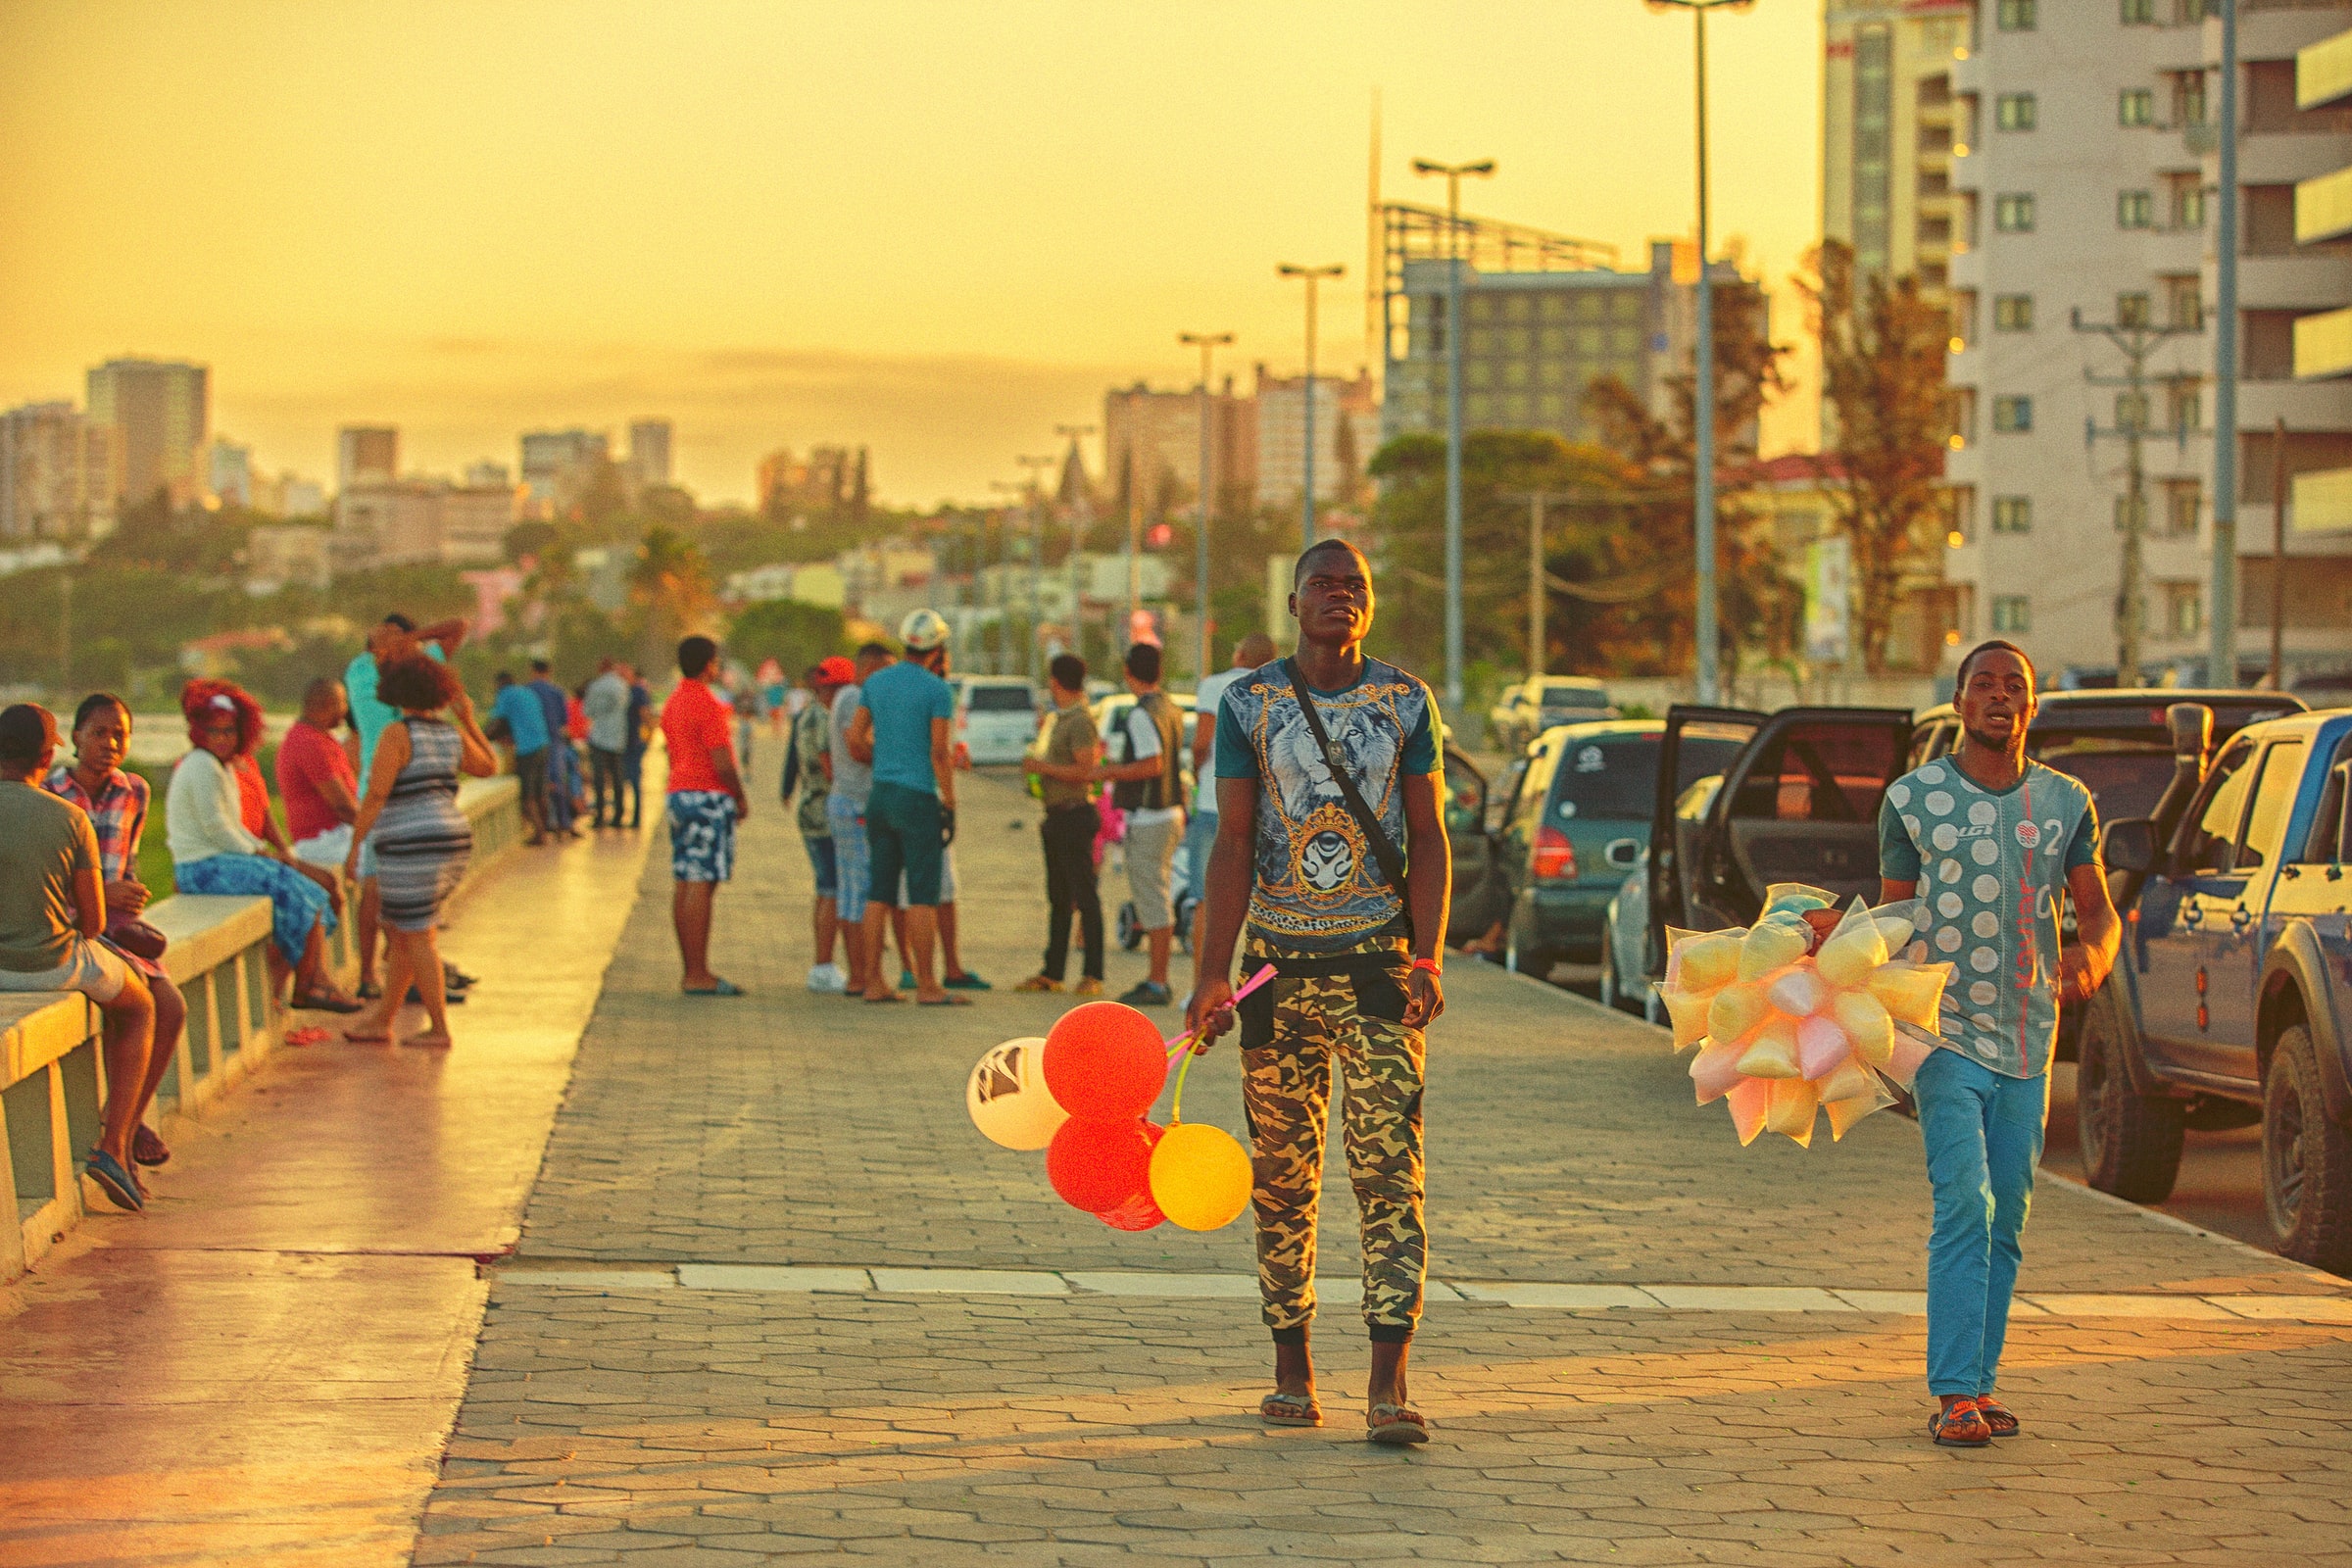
775 1297
262 1367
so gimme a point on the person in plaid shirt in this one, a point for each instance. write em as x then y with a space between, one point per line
115 802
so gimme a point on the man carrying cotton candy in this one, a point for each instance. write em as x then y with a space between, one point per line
1989 843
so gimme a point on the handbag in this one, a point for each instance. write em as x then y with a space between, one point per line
1376 838
140 939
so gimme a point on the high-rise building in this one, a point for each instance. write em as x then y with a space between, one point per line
57 475
1347 429
2087 193
412 520
366 454
832 480
1886 132
557 465
1152 445
161 414
228 473
649 450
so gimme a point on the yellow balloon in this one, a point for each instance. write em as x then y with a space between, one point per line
1199 1176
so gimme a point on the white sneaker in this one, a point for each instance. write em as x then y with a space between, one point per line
828 979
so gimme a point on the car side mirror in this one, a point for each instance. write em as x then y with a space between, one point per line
1623 855
1466 807
2129 843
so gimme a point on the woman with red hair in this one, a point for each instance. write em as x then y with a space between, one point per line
209 816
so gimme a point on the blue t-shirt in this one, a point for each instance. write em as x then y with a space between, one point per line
525 717
1318 886
554 706
905 698
1991 866
368 717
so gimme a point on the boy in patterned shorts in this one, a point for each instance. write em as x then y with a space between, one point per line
1989 843
1352 925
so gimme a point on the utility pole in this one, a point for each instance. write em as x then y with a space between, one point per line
2279 557
1074 433
2220 658
1037 466
1306 500
1453 173
1537 501
1208 343
2136 341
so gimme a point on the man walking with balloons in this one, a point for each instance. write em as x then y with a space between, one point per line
1331 865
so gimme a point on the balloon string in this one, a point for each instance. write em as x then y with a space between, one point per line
1176 1108
1177 1042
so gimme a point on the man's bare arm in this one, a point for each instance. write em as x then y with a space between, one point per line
943 769
1428 891
861 735
2084 965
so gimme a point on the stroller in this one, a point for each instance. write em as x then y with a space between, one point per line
1186 896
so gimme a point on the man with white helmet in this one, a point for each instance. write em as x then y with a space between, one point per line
900 727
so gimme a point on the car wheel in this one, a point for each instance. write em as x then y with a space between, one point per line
1131 935
2306 1159
2131 1142
1529 960
1613 992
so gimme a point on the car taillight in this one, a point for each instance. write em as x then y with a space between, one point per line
1554 857
964 721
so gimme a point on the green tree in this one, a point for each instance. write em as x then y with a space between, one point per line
794 634
1882 358
669 593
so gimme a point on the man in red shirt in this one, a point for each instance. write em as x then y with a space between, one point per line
706 800
316 778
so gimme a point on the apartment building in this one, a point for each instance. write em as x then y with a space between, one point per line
649 450
2084 175
1886 132
57 475
161 414
1347 429
557 465
366 454
1152 443
414 521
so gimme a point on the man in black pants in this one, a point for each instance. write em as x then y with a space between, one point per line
1072 748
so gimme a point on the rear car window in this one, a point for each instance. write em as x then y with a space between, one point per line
1000 700
2125 779
1616 779
1821 773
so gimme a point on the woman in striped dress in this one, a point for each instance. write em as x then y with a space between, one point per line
421 840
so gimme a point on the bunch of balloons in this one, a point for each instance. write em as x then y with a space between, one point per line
1784 1032
1080 1094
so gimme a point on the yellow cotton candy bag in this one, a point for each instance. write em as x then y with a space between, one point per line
1689 1011
1793 1104
1772 945
1866 1023
1736 1010
1706 963
1844 1113
1912 991
1848 1080
1772 1053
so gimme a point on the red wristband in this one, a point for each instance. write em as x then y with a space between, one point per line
1431 965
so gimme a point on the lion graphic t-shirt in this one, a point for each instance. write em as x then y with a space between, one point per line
1319 886
1991 866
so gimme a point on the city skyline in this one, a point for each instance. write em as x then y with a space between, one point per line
468 224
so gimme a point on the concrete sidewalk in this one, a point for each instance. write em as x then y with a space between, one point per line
262 1367
982 1372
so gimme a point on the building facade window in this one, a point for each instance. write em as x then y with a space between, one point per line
2184 506
2016 16
1960 515
1960 412
2013 312
2012 613
1873 151
2126 508
1964 319
2012 514
2136 208
2185 200
2183 609
2013 111
2184 302
2132 411
2013 214
2138 13
2133 310
2012 414
2135 106
2186 415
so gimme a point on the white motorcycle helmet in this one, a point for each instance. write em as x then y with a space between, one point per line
923 630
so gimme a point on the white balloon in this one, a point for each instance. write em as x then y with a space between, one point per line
1008 1098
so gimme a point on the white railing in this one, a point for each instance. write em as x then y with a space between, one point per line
53 1071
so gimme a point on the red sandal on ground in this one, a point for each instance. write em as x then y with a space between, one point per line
1997 1416
1960 1425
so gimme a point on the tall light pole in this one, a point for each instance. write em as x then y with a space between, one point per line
1702 414
1453 173
1208 343
1075 433
1314 275
2220 658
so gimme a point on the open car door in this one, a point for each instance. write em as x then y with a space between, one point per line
1694 748
1799 805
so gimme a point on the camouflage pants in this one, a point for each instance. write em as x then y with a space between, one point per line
1293 1033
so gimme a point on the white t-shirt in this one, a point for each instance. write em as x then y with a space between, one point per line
1143 740
1207 698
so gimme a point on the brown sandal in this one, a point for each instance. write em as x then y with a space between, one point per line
1395 1424
1997 1417
1289 1410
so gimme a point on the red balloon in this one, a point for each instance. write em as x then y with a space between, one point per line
1099 1165
1141 1211
1105 1062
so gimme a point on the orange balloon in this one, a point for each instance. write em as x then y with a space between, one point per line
1105 1062
1201 1176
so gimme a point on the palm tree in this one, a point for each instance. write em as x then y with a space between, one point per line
669 586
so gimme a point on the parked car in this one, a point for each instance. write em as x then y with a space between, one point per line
2117 743
1529 707
2231 1001
995 718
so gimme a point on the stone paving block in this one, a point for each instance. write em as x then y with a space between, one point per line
770 1277
967 1282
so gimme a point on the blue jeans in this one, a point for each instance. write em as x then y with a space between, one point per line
1982 1132
1199 837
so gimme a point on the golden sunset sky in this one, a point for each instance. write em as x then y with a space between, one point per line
935 228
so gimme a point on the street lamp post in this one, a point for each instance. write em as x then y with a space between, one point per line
1453 173
1702 414
1037 466
2221 658
1208 343
1313 276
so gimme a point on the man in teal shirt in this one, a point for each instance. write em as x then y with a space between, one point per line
901 729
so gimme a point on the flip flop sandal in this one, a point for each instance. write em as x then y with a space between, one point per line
725 988
946 1002
882 1001
1962 1426
121 1187
1289 1410
326 1001
146 1148
1997 1417
1395 1424
310 1036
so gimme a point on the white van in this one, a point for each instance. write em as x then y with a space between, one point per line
995 718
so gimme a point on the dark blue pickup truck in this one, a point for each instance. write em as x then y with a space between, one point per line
2232 1001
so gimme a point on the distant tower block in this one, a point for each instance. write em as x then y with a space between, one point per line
649 450
366 454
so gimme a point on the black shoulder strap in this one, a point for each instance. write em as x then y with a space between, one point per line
1392 864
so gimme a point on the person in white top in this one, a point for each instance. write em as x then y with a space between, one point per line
1147 785
1200 833
213 853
